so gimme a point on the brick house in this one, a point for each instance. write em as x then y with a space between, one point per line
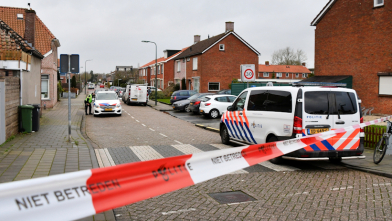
28 25
211 64
353 37
297 72
20 71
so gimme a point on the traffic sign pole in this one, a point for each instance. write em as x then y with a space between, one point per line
69 98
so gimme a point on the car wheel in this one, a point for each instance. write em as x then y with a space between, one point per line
214 113
276 160
224 134
187 108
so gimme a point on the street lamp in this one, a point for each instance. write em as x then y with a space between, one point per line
85 77
118 82
80 83
156 79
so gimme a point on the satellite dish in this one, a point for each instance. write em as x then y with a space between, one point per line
270 84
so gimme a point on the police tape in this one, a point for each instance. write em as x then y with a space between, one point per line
79 194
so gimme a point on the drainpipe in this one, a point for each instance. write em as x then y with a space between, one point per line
21 88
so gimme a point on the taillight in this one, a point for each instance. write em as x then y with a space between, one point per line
361 121
196 103
297 128
175 97
207 104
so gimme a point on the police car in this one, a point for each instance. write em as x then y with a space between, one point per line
106 102
268 114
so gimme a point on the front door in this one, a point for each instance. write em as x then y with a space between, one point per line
196 84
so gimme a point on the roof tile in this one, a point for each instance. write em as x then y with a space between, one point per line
283 68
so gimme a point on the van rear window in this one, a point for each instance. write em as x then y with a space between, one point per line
316 102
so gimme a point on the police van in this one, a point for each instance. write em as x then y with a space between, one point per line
267 114
138 94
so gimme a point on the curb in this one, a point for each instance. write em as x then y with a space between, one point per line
207 128
367 170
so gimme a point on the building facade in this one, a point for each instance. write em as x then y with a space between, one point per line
294 72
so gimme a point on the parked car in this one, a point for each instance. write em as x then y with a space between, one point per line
106 102
101 86
183 105
91 86
280 113
226 91
216 105
152 88
181 95
194 104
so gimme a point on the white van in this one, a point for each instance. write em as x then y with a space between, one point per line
137 94
268 114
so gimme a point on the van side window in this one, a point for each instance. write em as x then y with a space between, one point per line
239 104
279 101
316 102
345 103
257 100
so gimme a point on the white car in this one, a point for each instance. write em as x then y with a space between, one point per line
106 102
216 105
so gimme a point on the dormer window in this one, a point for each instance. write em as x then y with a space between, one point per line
221 47
378 3
19 16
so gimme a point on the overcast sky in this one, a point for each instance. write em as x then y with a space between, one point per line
110 32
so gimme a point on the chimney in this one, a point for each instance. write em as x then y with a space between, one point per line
304 64
267 63
196 39
30 26
229 26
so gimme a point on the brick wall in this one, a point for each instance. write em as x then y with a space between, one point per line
353 38
168 73
222 66
49 67
11 105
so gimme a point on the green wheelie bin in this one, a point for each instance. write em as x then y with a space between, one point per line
26 118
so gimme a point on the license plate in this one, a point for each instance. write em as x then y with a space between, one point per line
134 99
317 130
108 109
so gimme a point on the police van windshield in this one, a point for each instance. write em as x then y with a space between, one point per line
318 102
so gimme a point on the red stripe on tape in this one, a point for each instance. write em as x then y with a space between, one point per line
120 185
257 153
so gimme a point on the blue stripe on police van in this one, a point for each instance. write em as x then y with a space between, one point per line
327 145
315 147
228 127
243 129
239 131
235 131
250 133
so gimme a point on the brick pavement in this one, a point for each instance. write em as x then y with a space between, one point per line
48 152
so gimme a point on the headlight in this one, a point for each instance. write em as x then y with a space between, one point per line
179 104
118 105
97 106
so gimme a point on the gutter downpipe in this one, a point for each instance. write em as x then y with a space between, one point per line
21 87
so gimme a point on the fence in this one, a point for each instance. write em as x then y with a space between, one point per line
373 134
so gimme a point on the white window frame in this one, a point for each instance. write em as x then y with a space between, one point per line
279 75
214 83
296 75
178 66
303 75
221 47
47 80
377 4
162 69
194 64
265 74
384 85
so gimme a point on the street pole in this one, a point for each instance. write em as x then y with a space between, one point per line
156 69
85 77
69 98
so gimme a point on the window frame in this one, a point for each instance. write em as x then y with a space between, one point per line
194 64
214 83
381 88
48 92
265 74
221 47
178 66
378 4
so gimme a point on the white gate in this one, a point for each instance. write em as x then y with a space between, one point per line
2 112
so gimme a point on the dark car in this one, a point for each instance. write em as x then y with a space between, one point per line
181 95
225 91
195 102
183 105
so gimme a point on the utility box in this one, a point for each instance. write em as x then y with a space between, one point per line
26 118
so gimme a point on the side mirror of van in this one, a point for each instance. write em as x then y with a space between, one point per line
230 108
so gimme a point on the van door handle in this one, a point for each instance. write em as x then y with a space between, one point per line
340 122
240 114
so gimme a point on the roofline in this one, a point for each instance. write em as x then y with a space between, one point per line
237 36
322 13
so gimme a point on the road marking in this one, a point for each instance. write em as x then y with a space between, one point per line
137 121
178 141
381 184
178 211
129 114
151 129
291 194
143 125
343 188
145 153
163 135
104 158
132 117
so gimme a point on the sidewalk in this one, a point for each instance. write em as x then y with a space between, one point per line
48 152
159 106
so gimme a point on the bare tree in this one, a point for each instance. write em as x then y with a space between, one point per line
288 56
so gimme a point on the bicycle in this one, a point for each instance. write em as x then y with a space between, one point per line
382 144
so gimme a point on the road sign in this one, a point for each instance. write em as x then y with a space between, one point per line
65 63
248 72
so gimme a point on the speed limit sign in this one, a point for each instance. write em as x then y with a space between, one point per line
248 72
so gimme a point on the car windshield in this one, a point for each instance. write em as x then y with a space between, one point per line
193 97
106 96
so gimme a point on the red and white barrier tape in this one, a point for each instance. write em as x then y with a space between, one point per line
79 194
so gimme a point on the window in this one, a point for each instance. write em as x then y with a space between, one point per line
324 103
221 99
345 103
44 86
239 104
162 69
384 85
279 75
196 84
304 75
378 3
231 98
265 74
221 47
213 86
296 75
183 93
287 75
194 63
277 101
178 66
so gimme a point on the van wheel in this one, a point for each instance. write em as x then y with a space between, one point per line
224 134
276 160
214 113
335 159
